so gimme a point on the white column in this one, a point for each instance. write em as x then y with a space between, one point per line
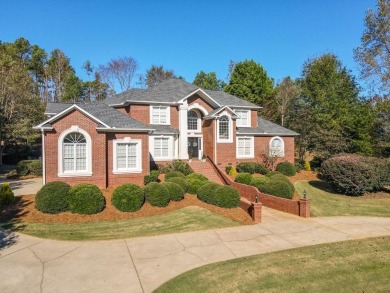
183 149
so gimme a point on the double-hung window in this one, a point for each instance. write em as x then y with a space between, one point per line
161 147
127 156
74 153
244 118
192 120
245 147
224 128
160 115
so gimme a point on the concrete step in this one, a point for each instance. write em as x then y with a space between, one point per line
206 169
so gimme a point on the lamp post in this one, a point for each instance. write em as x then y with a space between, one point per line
304 194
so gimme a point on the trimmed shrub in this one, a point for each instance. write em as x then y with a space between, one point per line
272 173
128 198
307 166
29 167
174 174
278 188
259 181
155 173
281 177
196 176
86 199
181 181
206 192
233 171
6 194
226 197
286 168
355 175
246 167
182 167
176 192
261 169
157 194
194 184
244 178
228 168
53 198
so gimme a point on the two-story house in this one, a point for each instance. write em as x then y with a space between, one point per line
112 142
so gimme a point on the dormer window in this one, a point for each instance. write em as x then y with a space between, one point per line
244 119
160 115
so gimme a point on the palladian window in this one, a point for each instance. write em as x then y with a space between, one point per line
192 120
74 153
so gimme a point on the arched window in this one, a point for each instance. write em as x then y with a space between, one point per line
276 147
223 128
74 153
192 120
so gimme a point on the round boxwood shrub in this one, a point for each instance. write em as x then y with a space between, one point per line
176 192
286 168
181 181
194 184
128 198
86 199
157 194
272 173
244 178
207 191
196 176
281 177
278 188
53 198
259 181
225 197
172 174
6 194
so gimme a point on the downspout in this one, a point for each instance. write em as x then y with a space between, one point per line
43 158
215 142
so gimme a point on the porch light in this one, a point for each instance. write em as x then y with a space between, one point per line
304 193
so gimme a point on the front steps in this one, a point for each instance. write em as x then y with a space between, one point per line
206 169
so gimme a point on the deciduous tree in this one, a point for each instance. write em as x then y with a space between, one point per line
208 81
157 74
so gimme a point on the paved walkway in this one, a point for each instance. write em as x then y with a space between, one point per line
29 264
23 187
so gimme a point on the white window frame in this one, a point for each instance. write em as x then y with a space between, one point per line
198 121
138 167
171 147
251 145
88 162
161 107
239 120
230 125
279 154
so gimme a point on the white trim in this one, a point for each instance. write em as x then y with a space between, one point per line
230 139
203 94
245 107
224 108
282 152
171 147
60 142
67 110
113 129
238 121
127 140
43 159
127 102
252 147
198 107
183 150
168 114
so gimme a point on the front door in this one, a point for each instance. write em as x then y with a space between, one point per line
194 145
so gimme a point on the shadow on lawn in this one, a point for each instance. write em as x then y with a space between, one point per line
10 222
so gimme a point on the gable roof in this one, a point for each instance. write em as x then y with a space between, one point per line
213 114
174 90
105 116
266 128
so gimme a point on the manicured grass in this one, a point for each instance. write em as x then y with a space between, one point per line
182 220
351 266
326 203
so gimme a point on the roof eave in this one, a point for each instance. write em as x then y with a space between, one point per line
113 129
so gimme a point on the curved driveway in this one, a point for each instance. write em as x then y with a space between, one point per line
29 264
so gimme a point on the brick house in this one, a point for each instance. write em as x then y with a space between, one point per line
112 142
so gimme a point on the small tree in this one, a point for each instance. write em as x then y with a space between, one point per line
270 157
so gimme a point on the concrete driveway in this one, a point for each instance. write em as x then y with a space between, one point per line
23 187
29 264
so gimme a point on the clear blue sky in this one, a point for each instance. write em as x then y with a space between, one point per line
189 36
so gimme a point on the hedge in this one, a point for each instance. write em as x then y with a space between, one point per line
181 181
206 192
157 194
128 198
86 199
278 188
194 184
6 194
174 174
251 167
176 192
197 176
244 178
53 198
286 168
281 177
272 173
259 181
179 165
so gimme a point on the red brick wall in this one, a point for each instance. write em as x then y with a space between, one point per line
226 152
197 99
175 117
208 137
124 110
254 118
98 150
140 113
136 178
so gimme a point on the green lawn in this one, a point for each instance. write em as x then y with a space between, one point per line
326 203
351 266
182 220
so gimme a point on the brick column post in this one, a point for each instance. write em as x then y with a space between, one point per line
256 212
304 208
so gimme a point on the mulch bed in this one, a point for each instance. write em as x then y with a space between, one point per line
24 211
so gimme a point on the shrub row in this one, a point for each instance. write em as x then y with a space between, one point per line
152 177
219 195
354 175
251 167
6 194
179 165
